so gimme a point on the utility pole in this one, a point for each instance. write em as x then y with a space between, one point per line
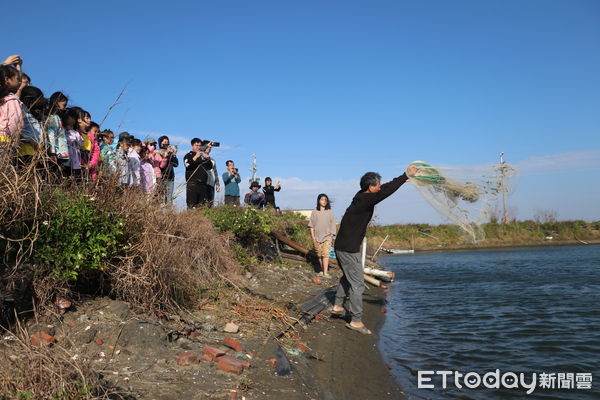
502 168
254 177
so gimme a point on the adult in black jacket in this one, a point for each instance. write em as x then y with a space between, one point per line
197 162
349 238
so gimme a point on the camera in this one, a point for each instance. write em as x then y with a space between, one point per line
207 142
235 170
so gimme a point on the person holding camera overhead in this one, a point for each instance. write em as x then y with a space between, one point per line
197 162
231 180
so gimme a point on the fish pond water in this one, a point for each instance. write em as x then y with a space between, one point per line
533 311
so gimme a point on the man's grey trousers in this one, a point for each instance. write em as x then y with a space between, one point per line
351 284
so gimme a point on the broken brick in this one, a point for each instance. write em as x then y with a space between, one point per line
208 357
233 344
99 341
317 281
41 338
213 352
302 347
187 359
383 310
230 364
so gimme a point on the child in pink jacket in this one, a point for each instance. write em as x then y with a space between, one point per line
147 174
11 108
155 158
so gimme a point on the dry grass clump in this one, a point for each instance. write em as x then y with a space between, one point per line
19 202
170 257
162 259
30 372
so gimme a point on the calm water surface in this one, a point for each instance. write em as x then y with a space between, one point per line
524 311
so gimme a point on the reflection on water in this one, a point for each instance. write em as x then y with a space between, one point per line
524 311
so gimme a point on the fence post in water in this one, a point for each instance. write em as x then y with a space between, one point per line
364 252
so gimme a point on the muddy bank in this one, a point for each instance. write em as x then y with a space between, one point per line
335 364
139 355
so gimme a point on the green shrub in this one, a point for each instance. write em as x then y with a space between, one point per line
75 237
294 226
250 226
252 229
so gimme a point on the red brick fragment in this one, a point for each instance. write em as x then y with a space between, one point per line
302 347
208 357
195 333
383 310
41 338
245 363
233 395
272 361
213 352
230 364
233 344
99 342
187 359
317 281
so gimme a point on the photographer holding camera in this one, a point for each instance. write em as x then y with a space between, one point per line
197 164
231 180
168 152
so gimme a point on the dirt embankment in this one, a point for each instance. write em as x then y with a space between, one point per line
140 356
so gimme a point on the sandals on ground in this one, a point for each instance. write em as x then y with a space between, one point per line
337 313
360 329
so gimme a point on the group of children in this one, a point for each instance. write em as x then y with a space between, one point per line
74 146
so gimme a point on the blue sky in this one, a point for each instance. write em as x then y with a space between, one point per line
323 91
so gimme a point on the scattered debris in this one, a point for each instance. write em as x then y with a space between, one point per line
187 359
41 338
233 344
230 327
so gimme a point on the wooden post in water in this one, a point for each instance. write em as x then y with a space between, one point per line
364 252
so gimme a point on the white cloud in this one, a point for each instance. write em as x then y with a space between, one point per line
174 139
561 162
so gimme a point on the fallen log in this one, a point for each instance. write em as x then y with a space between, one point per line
299 248
290 242
386 275
373 281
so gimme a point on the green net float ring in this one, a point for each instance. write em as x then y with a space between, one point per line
426 173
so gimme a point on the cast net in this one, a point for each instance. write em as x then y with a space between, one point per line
467 197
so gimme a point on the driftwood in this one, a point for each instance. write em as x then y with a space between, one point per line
386 275
299 248
373 281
